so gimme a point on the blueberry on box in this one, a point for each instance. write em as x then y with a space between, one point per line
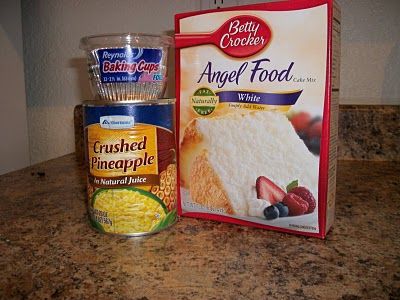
283 209
271 212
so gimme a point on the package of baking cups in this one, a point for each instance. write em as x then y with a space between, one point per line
127 66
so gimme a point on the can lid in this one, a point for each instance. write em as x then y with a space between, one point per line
124 39
130 102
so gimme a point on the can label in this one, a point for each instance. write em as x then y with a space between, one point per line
130 64
132 167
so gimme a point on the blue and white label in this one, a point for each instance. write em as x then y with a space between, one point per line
117 122
130 64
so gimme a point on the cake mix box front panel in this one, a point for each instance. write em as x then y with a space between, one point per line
257 89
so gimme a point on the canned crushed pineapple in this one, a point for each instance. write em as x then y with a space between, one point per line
131 161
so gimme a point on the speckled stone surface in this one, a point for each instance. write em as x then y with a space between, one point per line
48 250
369 132
78 133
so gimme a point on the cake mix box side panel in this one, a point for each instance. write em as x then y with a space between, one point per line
334 119
177 117
252 85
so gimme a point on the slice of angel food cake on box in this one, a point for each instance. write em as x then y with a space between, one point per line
257 89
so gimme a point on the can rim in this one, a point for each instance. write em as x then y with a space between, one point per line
131 102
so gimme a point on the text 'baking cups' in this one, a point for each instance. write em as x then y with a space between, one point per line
127 66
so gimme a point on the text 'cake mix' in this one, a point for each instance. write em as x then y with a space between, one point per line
258 89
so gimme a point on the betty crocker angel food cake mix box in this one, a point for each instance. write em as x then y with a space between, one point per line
257 90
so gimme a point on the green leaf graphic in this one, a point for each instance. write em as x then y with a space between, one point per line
292 185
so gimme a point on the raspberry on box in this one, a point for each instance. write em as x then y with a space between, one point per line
297 206
307 196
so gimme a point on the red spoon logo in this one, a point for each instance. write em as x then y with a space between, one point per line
240 36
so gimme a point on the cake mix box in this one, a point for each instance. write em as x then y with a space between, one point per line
257 90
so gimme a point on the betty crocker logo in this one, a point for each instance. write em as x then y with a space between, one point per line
240 36
244 36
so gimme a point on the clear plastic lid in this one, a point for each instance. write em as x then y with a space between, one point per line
91 42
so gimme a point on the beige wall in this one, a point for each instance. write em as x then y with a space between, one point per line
56 68
14 153
56 72
370 68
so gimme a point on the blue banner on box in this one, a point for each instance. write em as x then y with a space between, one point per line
287 98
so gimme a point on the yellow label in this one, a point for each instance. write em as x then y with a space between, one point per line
131 168
122 152
127 211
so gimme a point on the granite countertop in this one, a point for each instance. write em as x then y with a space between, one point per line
48 250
